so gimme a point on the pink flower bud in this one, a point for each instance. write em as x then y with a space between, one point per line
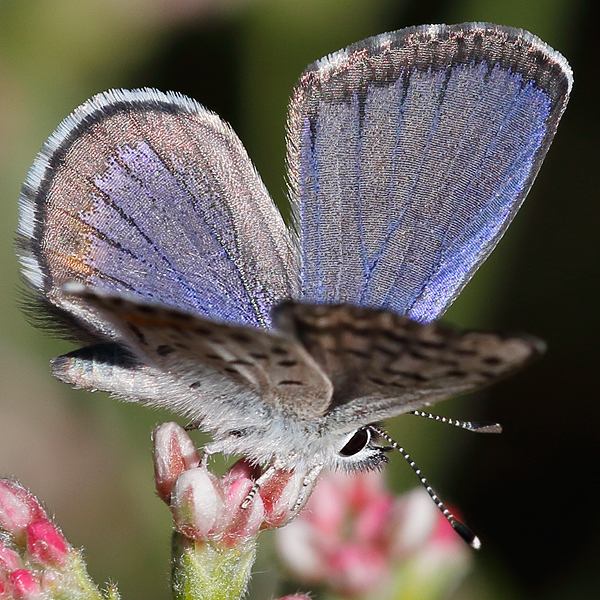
18 508
51 581
9 560
296 597
5 591
242 469
197 504
174 453
240 524
281 495
25 585
227 511
46 544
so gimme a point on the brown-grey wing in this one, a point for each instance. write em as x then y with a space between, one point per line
382 364
215 360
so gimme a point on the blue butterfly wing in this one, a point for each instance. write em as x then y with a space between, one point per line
152 196
409 154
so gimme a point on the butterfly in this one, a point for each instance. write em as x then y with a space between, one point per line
147 232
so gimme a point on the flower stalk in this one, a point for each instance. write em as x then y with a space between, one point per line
203 570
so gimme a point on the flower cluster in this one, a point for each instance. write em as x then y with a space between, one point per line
217 520
358 540
36 561
212 509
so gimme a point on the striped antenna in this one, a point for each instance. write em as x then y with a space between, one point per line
469 425
460 528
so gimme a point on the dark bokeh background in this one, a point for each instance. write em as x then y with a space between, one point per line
528 493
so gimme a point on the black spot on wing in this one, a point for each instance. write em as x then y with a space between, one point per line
240 337
138 334
287 363
203 331
492 361
177 315
144 309
164 350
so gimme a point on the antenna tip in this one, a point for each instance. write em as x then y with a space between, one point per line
492 428
465 533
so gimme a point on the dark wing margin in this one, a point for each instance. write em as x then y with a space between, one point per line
382 364
152 195
409 154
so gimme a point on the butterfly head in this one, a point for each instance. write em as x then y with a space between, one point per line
359 450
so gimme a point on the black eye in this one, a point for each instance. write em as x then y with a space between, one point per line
356 443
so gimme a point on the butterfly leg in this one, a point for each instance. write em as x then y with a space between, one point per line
308 483
205 453
193 426
299 484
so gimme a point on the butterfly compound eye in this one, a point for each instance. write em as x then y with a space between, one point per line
357 442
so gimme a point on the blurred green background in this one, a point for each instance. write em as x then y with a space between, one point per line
527 493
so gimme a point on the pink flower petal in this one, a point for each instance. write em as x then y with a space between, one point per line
284 496
356 570
18 508
362 488
373 521
300 551
25 585
46 544
327 507
174 453
197 504
242 469
415 518
239 524
9 559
